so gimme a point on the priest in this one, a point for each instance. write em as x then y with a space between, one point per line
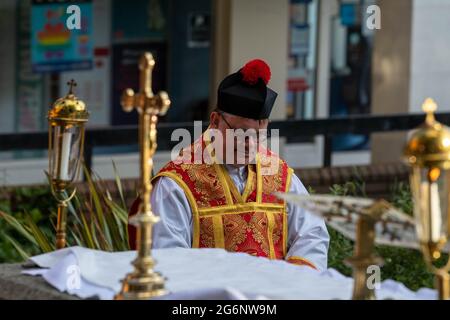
209 199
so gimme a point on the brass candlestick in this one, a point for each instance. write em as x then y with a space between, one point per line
66 121
428 154
363 256
144 282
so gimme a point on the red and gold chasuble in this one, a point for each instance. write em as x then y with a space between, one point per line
254 222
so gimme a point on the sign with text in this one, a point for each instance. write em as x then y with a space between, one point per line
61 35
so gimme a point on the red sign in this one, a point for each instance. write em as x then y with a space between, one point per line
297 85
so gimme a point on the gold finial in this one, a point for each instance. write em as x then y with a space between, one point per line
69 107
71 85
429 107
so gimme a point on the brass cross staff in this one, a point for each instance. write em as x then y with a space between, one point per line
144 282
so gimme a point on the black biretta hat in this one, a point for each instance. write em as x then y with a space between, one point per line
245 93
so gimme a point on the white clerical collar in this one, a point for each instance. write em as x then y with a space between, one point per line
241 171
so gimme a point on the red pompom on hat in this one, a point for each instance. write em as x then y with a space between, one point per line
255 70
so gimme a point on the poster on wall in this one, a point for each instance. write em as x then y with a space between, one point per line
199 30
349 14
145 20
299 28
94 86
61 36
29 112
300 41
126 75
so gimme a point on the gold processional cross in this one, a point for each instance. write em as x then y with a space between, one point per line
144 282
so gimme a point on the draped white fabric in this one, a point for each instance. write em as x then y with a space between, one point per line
203 274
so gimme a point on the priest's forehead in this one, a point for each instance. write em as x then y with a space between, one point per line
239 122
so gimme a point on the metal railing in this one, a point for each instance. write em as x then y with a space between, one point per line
295 130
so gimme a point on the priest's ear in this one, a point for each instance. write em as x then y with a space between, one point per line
214 119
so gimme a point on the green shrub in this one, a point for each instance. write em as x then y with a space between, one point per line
20 203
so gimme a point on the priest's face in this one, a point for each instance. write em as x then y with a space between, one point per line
240 137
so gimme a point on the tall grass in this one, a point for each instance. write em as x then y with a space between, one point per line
95 221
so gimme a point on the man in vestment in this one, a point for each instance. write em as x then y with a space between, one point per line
207 202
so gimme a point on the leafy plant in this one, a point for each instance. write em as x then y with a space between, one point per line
20 203
340 249
401 197
355 187
95 221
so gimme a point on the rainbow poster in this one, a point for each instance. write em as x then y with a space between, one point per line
61 37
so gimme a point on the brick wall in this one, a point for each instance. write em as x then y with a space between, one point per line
378 178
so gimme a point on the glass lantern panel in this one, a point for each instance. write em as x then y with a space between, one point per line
430 204
65 152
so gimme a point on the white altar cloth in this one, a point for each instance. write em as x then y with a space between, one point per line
203 274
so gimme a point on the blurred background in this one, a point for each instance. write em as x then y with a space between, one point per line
348 92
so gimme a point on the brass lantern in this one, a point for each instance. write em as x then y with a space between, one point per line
428 154
66 120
